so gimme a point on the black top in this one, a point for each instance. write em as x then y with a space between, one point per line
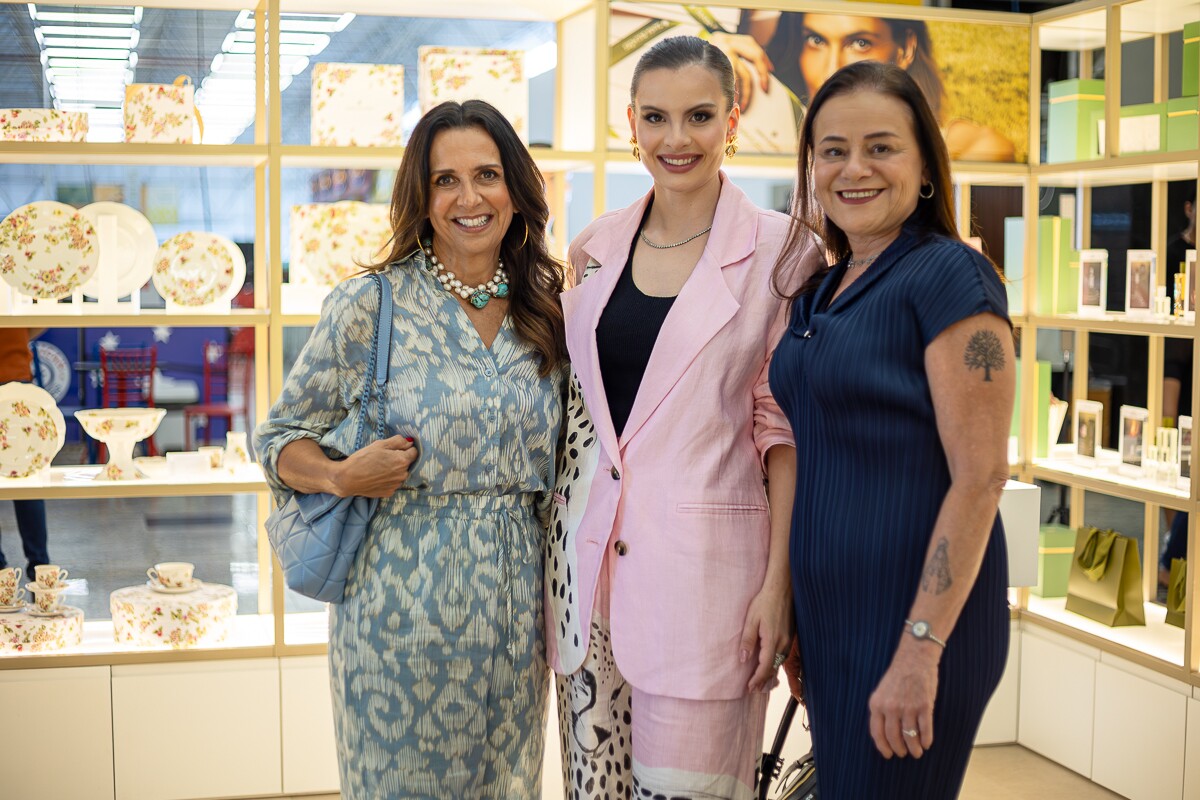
625 337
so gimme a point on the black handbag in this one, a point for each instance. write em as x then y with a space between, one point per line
799 780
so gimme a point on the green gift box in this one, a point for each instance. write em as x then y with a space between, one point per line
1143 128
1183 123
1056 546
1014 263
1072 128
1041 419
1058 268
1191 59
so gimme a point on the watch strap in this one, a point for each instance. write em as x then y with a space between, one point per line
910 626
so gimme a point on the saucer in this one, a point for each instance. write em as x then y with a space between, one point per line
61 611
33 587
11 609
158 587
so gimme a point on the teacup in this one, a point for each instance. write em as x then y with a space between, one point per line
215 454
10 592
47 600
171 574
49 576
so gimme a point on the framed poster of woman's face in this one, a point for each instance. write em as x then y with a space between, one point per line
1089 415
1139 282
1093 282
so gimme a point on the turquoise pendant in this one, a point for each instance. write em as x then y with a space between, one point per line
502 290
480 298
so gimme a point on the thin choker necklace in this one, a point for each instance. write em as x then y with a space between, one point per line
478 296
677 244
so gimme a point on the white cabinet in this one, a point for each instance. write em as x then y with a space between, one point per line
196 729
70 709
1058 682
309 749
1140 724
999 724
1191 751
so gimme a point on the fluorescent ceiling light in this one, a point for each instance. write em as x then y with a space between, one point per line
78 52
85 44
87 63
304 23
86 30
106 18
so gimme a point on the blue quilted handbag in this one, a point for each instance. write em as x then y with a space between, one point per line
316 536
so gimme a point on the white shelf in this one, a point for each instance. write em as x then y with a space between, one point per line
68 315
1156 638
79 482
1117 323
248 630
95 153
1061 467
306 628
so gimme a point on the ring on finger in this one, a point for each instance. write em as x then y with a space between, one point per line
777 662
911 733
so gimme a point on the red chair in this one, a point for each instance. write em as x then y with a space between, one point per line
226 373
127 379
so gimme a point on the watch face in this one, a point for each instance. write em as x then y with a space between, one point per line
920 629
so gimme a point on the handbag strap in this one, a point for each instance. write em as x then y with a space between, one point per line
772 762
381 348
1093 556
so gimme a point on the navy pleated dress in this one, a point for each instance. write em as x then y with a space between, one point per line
851 377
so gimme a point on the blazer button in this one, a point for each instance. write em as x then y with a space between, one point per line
616 475
620 547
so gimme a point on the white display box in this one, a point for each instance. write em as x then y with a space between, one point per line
1020 510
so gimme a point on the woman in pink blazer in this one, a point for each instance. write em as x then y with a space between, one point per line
667 588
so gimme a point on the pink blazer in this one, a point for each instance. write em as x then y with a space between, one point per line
677 504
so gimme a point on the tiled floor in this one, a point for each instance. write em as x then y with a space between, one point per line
999 773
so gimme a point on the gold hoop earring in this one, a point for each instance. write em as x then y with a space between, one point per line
921 192
526 239
637 151
731 147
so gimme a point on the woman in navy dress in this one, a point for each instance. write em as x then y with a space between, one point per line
897 373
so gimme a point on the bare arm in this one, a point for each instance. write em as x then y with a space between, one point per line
971 378
770 620
377 470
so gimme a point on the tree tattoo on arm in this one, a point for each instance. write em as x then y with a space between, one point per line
936 578
984 352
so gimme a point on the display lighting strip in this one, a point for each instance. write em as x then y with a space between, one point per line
226 96
88 55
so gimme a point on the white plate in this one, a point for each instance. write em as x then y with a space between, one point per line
11 609
158 587
47 249
32 429
61 611
135 243
195 268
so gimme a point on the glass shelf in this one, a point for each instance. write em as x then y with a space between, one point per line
1061 467
79 482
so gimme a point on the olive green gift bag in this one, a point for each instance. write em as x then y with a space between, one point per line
1106 578
1177 592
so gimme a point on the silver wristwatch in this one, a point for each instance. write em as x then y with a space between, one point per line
921 630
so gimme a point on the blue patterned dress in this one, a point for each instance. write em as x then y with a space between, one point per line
436 656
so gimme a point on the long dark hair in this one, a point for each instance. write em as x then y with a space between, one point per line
535 277
933 215
788 42
677 52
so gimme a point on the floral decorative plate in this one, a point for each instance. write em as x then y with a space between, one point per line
135 247
61 611
330 240
47 250
198 269
32 429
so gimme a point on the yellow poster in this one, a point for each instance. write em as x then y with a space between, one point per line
975 75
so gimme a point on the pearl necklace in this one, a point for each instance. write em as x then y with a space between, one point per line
478 296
